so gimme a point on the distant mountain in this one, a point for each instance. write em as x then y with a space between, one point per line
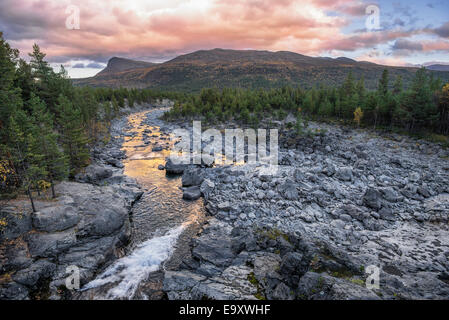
241 68
438 67
116 65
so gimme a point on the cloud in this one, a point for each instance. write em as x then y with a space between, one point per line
442 31
95 65
157 30
404 44
79 66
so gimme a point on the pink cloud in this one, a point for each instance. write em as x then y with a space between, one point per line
168 27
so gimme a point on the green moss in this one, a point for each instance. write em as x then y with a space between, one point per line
252 279
272 234
259 294
342 274
359 282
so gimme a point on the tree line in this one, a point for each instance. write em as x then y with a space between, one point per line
424 105
47 125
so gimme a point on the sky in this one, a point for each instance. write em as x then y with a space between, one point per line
83 35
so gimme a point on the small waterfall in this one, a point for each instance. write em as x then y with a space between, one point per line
127 272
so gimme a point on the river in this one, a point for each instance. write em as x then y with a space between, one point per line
162 223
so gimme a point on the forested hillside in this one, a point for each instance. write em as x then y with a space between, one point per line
424 106
247 69
46 125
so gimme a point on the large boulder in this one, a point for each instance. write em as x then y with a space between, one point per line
207 187
315 286
192 177
58 218
288 190
42 245
94 174
345 174
293 266
172 168
30 276
191 193
372 198
16 222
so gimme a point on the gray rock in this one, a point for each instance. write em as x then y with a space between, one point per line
293 267
13 291
17 221
191 193
192 177
390 194
314 286
94 174
42 245
288 190
57 218
372 198
345 174
115 162
171 168
282 292
207 187
30 276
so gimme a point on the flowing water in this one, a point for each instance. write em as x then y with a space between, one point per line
162 222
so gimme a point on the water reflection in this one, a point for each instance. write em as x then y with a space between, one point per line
161 207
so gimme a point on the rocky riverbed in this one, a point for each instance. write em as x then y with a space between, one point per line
342 203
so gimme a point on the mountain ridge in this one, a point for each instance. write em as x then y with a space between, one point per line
242 68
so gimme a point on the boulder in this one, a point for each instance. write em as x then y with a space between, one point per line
42 245
372 198
207 187
191 193
171 168
288 190
17 223
345 174
293 266
58 218
94 174
192 176
30 276
315 286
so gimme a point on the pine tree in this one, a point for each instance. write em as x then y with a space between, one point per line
443 109
420 101
44 148
19 153
74 139
382 87
10 100
115 106
397 87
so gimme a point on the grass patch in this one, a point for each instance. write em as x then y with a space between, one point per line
259 294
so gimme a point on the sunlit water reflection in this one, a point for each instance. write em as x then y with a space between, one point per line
162 222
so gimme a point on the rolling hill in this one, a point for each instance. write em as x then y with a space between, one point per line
241 68
438 67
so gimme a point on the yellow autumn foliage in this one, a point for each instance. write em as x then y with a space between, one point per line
358 116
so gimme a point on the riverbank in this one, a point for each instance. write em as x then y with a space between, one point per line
87 226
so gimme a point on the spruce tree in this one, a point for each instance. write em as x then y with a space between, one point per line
74 139
10 99
19 153
43 144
